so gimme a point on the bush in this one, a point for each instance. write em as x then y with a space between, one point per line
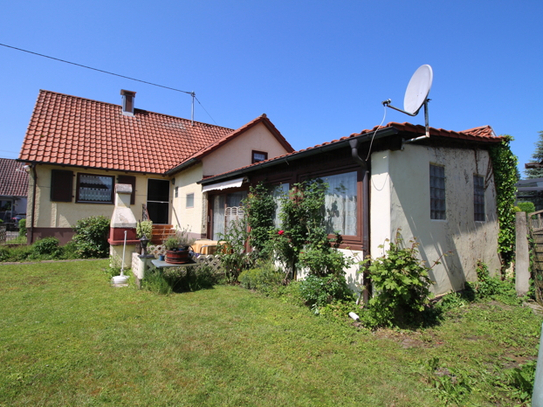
179 279
91 237
401 286
22 227
261 278
319 291
48 247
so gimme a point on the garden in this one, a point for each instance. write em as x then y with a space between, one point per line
250 332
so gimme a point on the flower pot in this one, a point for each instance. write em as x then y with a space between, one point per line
179 256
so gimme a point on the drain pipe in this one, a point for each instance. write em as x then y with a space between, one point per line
30 239
355 144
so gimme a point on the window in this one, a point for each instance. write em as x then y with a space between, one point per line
190 201
94 188
226 208
341 203
479 198
259 156
437 192
61 185
278 192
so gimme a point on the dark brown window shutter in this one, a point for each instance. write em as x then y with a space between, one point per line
61 185
129 179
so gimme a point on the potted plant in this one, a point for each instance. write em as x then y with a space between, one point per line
178 247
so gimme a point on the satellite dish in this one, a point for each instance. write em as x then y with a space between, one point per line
418 89
416 95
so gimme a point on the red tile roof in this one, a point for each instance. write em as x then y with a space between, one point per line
483 134
13 178
69 130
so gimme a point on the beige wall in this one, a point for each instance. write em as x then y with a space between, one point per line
402 179
237 153
66 214
191 218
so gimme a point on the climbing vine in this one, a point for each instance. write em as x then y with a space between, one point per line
504 164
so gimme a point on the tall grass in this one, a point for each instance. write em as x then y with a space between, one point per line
67 337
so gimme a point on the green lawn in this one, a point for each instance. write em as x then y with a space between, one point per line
67 338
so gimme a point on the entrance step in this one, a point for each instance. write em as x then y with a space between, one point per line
161 233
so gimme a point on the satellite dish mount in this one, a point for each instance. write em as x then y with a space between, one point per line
416 96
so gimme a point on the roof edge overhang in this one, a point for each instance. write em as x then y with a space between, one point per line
89 167
375 135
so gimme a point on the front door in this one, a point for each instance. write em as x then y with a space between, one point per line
158 200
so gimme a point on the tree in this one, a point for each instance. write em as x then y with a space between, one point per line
537 157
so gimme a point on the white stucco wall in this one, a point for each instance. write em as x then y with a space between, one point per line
459 242
189 218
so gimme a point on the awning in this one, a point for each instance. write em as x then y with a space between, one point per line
234 183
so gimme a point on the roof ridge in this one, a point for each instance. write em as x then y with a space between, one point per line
136 108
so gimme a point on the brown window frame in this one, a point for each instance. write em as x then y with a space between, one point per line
255 152
78 188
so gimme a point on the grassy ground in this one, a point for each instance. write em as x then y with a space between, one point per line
68 338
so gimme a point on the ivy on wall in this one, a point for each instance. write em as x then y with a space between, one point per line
504 165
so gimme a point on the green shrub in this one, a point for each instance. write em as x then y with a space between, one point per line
69 250
91 237
48 247
487 287
145 227
401 286
233 252
262 278
155 282
319 291
179 279
22 227
16 253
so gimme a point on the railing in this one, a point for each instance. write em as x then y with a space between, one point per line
144 212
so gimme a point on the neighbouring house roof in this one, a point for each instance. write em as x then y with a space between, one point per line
478 135
74 131
13 178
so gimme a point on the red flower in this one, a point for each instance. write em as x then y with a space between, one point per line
281 232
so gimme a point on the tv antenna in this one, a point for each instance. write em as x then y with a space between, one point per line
416 95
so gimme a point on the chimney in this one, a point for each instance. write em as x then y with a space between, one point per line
128 102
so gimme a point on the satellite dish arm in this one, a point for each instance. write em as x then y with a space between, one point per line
387 104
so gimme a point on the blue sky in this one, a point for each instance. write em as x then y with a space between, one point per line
318 69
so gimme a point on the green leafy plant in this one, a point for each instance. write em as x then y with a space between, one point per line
262 278
22 227
48 247
232 250
401 286
145 227
91 237
487 287
318 291
260 210
504 166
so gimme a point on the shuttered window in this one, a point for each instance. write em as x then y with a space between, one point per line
61 185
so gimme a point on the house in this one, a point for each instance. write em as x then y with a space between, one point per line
437 189
13 190
77 149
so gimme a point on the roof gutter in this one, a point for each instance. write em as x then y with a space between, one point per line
182 166
356 140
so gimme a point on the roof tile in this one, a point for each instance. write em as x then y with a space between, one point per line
63 129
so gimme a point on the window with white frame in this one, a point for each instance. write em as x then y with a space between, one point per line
479 198
437 192
93 188
278 193
190 201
